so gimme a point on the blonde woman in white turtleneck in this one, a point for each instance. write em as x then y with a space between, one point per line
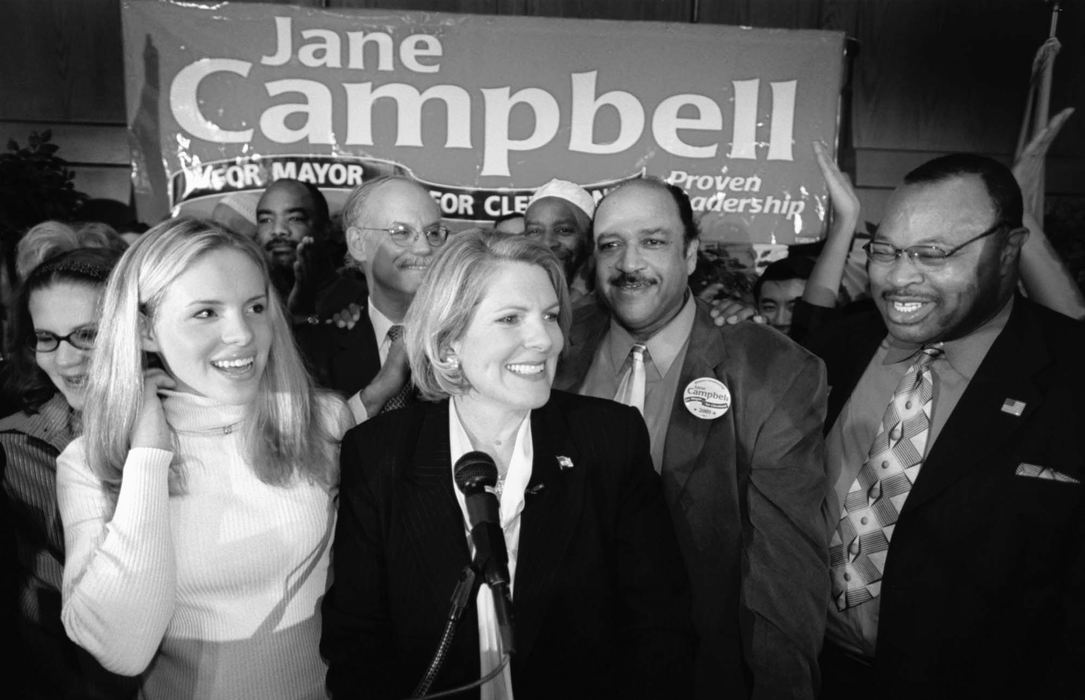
198 506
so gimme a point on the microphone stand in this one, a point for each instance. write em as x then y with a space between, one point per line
460 597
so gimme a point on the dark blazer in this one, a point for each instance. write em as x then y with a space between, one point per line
983 593
339 359
746 493
50 664
601 600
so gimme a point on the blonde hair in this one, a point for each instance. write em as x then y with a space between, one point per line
288 436
50 238
452 288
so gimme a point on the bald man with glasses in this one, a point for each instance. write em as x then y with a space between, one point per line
393 230
956 453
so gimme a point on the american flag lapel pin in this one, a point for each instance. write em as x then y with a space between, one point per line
1013 407
564 462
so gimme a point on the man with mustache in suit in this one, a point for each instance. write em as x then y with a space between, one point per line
734 415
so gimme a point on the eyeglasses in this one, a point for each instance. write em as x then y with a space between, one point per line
403 235
80 339
925 255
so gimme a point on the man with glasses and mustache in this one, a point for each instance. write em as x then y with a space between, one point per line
734 416
393 229
956 452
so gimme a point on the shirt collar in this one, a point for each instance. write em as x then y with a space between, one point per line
517 476
963 354
663 347
381 323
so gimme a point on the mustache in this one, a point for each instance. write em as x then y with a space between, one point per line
412 261
888 294
277 241
621 279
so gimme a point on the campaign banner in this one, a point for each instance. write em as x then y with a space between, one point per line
480 109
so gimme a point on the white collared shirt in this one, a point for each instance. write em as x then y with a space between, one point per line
381 325
511 506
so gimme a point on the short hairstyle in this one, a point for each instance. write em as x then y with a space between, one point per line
320 202
83 266
789 268
450 292
1001 185
288 435
690 232
357 201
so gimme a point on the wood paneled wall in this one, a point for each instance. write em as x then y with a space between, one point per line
928 76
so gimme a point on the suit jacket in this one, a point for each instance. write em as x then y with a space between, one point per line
50 665
746 492
983 593
601 600
339 359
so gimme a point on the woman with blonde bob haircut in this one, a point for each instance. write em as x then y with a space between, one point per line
436 317
198 505
599 587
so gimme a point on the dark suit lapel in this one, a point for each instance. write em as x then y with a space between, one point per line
552 505
431 515
357 358
686 433
978 430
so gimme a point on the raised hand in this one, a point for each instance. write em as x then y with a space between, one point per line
1028 167
841 193
313 268
348 317
151 429
728 312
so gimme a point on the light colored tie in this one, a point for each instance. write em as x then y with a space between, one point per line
631 388
405 395
860 544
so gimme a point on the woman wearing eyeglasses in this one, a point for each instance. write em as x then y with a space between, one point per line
55 324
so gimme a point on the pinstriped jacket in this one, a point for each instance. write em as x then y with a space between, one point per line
54 666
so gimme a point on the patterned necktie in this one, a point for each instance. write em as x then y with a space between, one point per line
405 395
861 541
631 388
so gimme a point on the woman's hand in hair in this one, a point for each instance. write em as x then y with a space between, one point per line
151 429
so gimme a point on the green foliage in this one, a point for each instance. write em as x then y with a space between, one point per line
35 185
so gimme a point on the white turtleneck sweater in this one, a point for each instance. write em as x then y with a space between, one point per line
211 593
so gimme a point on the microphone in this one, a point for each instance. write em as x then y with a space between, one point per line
474 473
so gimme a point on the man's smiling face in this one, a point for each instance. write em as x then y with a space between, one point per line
643 261
924 303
